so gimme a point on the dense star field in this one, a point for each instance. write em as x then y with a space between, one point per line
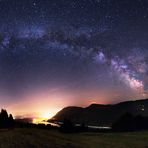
58 53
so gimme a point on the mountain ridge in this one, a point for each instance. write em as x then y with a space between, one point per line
101 114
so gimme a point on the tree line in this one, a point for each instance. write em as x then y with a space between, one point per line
6 121
129 122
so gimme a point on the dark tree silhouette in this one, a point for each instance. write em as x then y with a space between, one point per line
139 122
67 126
124 123
127 122
5 121
11 120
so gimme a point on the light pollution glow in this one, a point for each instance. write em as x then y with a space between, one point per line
50 104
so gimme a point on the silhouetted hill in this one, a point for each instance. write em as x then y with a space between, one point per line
103 115
25 120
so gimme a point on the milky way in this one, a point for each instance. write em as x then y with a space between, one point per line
73 52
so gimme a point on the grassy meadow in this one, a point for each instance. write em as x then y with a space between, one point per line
40 138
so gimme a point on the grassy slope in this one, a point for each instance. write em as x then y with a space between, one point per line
38 138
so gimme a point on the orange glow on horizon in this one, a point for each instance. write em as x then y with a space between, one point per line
44 104
38 120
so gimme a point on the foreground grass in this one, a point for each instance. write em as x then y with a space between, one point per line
38 138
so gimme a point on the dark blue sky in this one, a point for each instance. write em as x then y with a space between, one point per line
55 53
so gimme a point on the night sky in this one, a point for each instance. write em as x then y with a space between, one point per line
56 53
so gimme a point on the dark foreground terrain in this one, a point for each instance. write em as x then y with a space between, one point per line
40 138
